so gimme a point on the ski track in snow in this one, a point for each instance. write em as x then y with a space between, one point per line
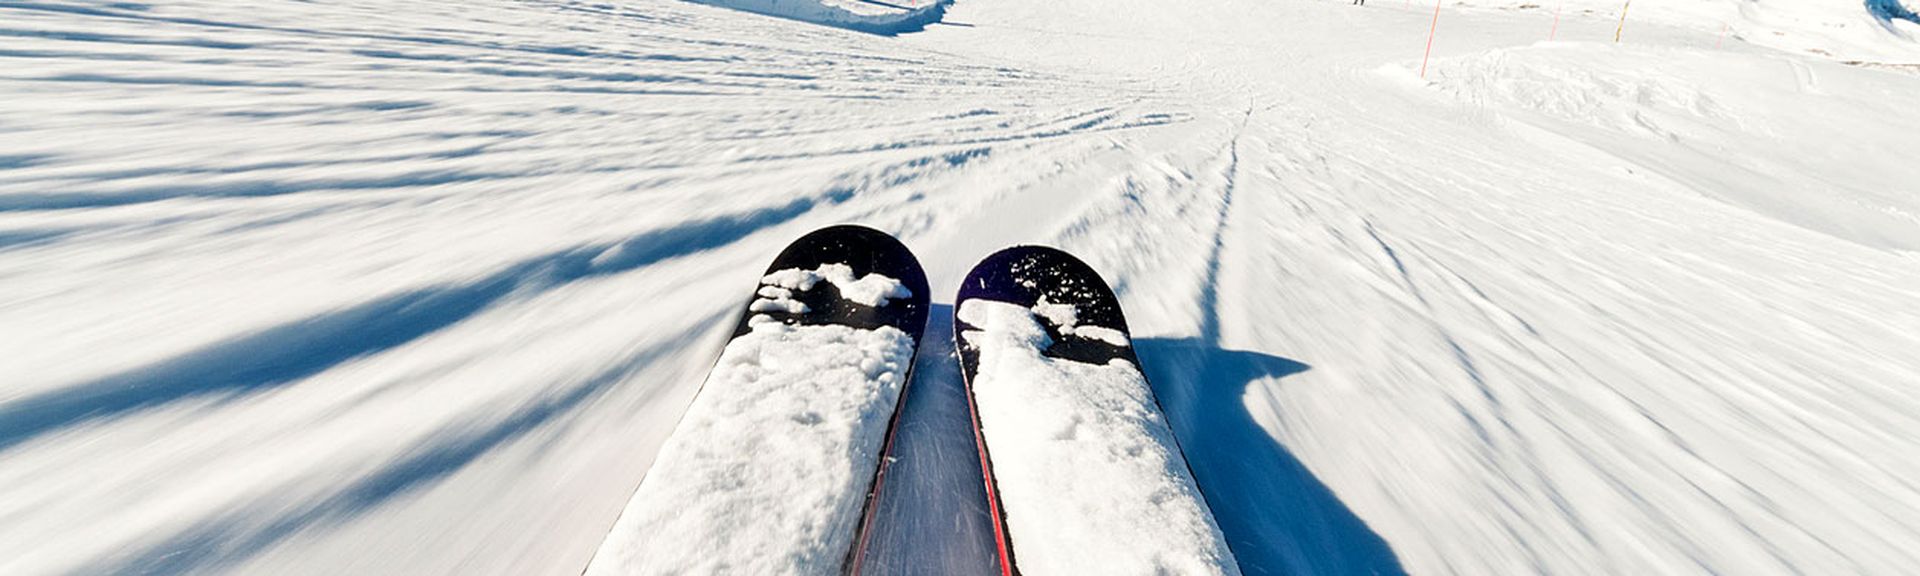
419 288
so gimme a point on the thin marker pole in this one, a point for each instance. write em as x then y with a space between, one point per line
1623 21
1556 20
1724 27
1430 29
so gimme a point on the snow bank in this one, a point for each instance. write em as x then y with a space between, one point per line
1712 121
767 472
870 16
1089 474
1842 29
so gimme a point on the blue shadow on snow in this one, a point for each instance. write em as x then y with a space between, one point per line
282 354
1889 10
914 19
1276 515
230 538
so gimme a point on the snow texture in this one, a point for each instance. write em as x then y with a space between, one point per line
1871 30
871 16
1066 318
768 470
871 290
375 287
1089 475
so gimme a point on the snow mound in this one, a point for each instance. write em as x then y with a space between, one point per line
870 16
782 496
1710 121
1842 29
1091 478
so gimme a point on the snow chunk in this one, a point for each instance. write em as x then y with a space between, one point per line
1062 315
1108 335
787 305
768 470
1067 318
1091 479
872 290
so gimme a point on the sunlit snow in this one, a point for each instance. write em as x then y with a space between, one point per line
422 287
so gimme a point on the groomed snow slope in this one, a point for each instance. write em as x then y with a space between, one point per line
419 288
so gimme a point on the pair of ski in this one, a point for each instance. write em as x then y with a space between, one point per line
777 466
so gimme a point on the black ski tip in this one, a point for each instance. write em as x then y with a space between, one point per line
866 251
1023 275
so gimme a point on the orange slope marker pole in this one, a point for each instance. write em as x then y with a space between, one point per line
1430 29
1724 27
1623 21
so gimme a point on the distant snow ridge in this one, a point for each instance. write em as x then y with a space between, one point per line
885 17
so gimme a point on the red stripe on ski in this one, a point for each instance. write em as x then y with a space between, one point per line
879 478
986 476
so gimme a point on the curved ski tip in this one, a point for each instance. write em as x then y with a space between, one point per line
850 230
863 251
1026 274
866 249
1034 256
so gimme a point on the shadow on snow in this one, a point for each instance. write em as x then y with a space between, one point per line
1277 517
286 353
244 532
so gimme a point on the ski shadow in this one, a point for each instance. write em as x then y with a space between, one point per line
1276 515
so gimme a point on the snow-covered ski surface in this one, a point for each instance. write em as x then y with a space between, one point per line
1090 477
769 470
783 495
422 287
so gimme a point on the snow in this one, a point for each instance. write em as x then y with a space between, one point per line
423 287
782 496
1844 29
872 16
1089 474
870 290
778 304
1066 318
